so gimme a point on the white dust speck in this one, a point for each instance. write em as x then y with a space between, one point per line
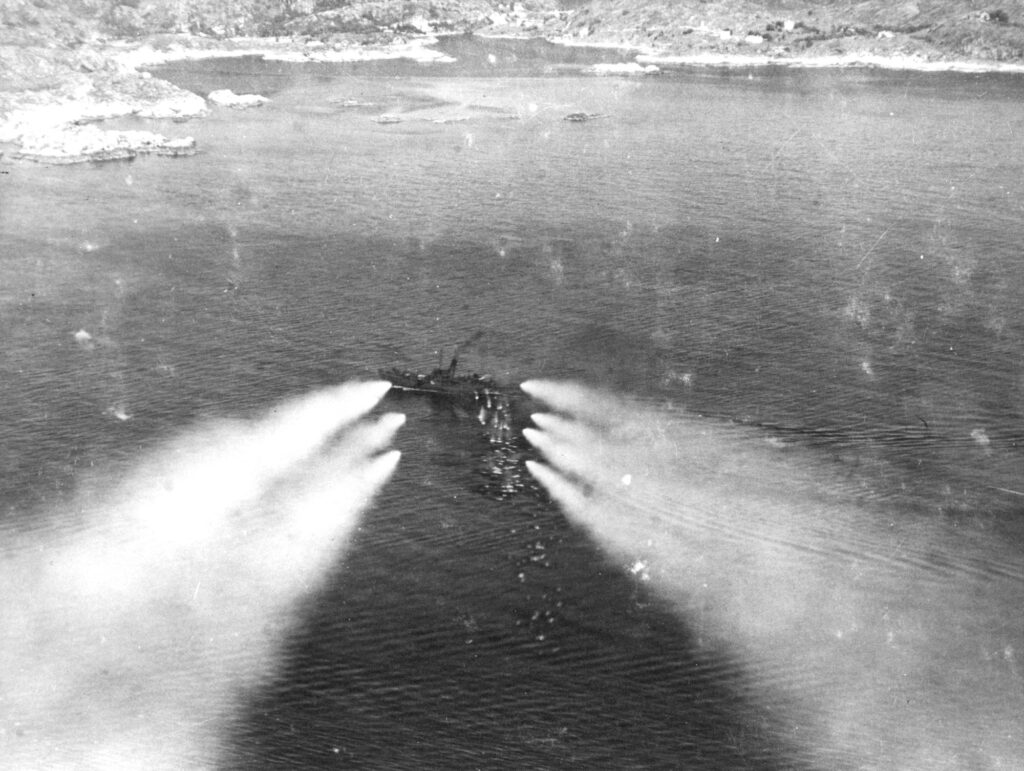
118 411
84 340
981 437
639 569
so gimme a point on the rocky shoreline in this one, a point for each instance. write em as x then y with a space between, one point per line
58 124
53 94
79 144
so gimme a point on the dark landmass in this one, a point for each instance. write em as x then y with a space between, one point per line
937 31
72 32
65 62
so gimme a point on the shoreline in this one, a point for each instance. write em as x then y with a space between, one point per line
140 54
904 63
57 125
647 55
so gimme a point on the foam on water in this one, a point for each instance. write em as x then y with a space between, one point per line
131 643
885 638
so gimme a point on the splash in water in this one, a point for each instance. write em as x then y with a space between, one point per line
129 643
883 639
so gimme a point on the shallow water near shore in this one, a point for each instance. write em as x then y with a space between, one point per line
830 257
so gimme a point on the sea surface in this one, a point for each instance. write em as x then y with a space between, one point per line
830 257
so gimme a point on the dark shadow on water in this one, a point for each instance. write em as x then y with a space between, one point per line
465 631
468 629
214 323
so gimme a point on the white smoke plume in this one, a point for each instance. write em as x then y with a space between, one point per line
883 639
130 642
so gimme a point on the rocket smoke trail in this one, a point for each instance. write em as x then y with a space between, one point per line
128 644
883 639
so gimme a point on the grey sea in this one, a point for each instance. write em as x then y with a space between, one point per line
831 258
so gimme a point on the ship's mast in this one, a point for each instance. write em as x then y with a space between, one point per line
455 356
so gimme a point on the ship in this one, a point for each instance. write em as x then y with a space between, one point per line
443 382
481 394
501 410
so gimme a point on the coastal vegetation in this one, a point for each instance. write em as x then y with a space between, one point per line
67 61
938 29
69 31
934 30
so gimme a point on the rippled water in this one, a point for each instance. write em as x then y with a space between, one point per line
829 256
